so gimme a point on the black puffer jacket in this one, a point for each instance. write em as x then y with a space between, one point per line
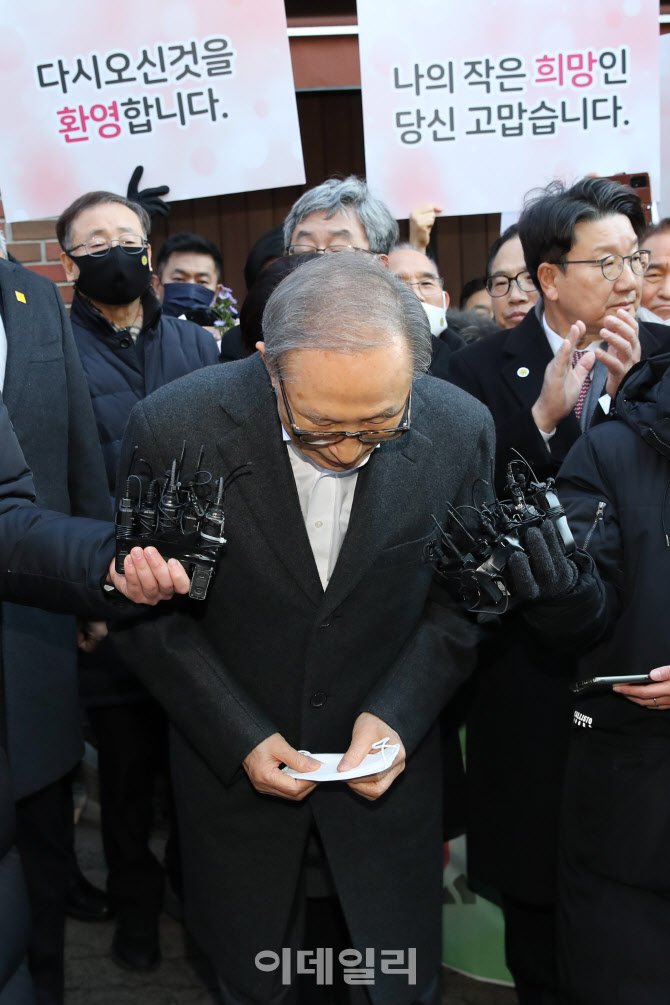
615 486
120 372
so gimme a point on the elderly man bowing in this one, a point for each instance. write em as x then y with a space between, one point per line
317 634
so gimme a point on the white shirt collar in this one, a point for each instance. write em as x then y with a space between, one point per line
556 341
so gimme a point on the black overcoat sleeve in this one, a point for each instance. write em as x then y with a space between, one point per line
206 703
49 560
515 426
87 480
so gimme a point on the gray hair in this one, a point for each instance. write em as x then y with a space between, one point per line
344 303
341 196
3 244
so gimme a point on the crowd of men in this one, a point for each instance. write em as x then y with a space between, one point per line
364 409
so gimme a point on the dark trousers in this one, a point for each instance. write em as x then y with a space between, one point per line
132 751
530 950
317 921
44 835
613 871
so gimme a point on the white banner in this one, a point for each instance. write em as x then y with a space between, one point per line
471 105
663 197
199 93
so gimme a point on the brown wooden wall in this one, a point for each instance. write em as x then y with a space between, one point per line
331 126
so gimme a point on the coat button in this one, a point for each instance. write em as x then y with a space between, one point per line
318 699
125 342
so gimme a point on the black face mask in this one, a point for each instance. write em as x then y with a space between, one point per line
115 278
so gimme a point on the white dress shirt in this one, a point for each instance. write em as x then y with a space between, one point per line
326 498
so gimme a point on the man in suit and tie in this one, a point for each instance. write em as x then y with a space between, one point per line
544 382
46 395
319 634
527 375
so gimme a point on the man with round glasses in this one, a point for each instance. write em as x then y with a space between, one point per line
128 348
513 292
318 635
544 381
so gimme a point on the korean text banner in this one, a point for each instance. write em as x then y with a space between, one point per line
473 104
199 93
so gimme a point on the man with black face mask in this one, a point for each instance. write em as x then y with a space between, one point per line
128 348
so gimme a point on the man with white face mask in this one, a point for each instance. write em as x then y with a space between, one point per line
420 272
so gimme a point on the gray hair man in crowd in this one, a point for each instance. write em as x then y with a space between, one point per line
340 215
318 635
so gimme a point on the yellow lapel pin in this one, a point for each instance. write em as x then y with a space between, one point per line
21 297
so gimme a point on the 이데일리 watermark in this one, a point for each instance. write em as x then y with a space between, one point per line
320 963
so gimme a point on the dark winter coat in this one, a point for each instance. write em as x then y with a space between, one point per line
615 486
121 372
50 561
614 874
521 711
48 402
270 651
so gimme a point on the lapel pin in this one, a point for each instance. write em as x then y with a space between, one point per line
523 371
21 297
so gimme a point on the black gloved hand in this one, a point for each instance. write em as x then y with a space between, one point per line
148 198
544 571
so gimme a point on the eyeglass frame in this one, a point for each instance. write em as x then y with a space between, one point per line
132 250
437 281
404 427
510 280
601 261
325 251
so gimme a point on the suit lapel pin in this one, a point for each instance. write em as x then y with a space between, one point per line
523 371
21 297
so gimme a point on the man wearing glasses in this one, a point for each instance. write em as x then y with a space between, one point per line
318 635
343 215
545 381
420 273
128 348
508 281
340 215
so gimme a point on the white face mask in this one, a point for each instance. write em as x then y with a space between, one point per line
437 316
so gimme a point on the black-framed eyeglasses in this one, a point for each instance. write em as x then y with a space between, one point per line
499 286
612 265
315 438
97 247
332 249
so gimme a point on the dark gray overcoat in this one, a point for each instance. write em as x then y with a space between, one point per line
270 651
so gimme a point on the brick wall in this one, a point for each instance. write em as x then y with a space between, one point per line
34 244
